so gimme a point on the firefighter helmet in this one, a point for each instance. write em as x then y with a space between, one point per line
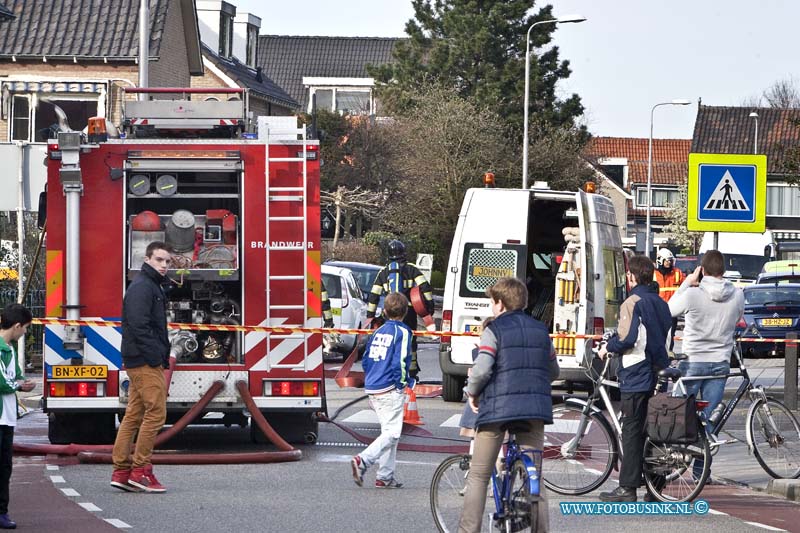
664 254
397 251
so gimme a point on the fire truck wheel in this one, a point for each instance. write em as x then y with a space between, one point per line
294 428
84 428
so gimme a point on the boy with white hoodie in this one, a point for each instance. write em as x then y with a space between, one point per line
712 306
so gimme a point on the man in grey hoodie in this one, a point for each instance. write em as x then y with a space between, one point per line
712 306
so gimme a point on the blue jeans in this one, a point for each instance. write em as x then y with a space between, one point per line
710 390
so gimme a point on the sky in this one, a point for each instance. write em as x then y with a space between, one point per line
626 57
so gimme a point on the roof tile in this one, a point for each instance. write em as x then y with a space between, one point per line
79 28
248 77
670 157
731 130
287 59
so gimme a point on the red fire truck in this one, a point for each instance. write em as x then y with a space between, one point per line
242 214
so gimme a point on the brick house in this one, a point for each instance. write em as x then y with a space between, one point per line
230 58
732 130
331 68
79 54
624 161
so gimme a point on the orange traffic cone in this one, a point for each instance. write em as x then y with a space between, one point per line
410 412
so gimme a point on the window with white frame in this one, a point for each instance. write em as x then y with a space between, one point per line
783 200
350 100
34 118
661 197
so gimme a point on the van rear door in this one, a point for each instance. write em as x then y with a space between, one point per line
491 238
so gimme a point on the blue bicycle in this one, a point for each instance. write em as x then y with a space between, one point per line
514 494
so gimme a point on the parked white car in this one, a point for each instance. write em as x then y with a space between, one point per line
347 305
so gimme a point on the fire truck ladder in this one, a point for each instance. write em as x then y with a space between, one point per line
295 193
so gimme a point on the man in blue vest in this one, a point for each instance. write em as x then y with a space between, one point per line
400 276
509 383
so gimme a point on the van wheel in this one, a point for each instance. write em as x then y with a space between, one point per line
453 387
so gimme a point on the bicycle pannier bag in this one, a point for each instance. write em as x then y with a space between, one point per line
672 419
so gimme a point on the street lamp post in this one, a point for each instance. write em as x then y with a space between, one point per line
650 170
754 115
561 20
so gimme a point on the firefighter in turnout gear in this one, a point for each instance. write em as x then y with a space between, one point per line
400 276
669 279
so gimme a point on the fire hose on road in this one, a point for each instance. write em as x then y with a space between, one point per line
102 453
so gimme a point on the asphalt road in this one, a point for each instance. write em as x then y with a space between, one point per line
318 494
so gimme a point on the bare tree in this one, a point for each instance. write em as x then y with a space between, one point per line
783 94
349 202
677 216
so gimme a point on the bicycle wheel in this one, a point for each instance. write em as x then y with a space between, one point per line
448 487
775 435
523 506
577 464
676 472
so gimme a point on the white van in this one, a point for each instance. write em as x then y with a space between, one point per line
566 245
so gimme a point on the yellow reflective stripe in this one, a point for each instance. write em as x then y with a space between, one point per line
428 295
377 289
420 279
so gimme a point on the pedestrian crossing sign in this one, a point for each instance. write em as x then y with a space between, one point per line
727 193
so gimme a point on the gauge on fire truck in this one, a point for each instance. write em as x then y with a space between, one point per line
167 185
139 184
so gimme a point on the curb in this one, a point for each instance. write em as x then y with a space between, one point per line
786 488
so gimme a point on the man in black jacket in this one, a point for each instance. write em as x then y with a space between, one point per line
145 353
644 321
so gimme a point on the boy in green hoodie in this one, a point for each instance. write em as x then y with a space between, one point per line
14 322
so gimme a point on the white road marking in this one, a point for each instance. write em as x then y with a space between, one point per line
451 422
52 467
346 459
715 512
365 416
57 479
593 471
764 526
89 506
116 522
70 492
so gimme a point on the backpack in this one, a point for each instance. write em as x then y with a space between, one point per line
672 419
395 277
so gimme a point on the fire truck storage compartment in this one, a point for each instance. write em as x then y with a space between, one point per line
196 212
546 243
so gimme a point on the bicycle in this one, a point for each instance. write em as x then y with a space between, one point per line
772 431
584 461
514 492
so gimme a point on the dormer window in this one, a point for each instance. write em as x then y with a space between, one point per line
252 45
225 35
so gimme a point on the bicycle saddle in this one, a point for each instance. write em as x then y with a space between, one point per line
670 373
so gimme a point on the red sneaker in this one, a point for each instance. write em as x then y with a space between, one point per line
144 479
119 479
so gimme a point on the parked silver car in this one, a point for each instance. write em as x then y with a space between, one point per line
348 307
